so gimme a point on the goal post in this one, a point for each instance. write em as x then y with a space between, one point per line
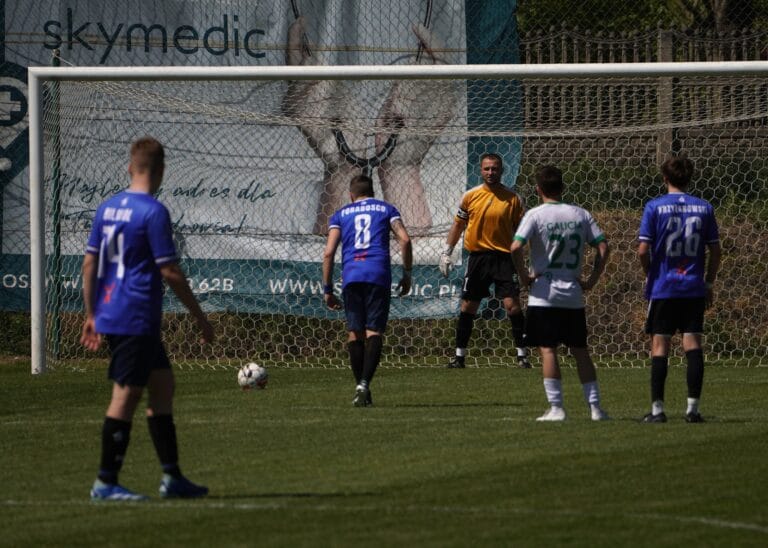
256 155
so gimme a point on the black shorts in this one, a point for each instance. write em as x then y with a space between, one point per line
486 268
549 327
134 357
667 316
366 306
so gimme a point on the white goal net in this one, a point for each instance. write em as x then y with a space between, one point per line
257 162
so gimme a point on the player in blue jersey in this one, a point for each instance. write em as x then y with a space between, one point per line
130 252
676 232
557 234
363 228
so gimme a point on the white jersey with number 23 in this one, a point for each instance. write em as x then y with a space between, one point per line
557 234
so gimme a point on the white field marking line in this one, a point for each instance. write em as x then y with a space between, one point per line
325 507
713 522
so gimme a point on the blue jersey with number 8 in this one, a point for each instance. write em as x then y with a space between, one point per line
678 228
132 238
365 228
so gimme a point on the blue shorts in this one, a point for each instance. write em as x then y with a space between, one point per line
366 306
134 357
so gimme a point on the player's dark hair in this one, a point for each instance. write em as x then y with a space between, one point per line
493 156
148 155
678 170
361 186
550 180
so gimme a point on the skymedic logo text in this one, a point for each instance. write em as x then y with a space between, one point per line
186 39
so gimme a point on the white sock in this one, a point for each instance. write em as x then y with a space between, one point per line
461 352
657 407
591 394
693 405
522 351
553 390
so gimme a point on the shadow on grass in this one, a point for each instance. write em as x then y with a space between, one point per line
680 419
307 495
478 404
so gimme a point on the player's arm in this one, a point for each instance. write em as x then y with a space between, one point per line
517 249
713 266
176 279
644 255
329 254
598 267
647 236
89 338
454 234
406 251
518 212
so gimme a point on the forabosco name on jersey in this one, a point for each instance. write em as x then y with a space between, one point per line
363 209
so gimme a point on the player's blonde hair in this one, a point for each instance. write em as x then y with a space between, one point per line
148 156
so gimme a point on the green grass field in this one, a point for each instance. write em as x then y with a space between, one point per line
445 458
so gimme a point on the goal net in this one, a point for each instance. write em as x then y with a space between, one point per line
258 159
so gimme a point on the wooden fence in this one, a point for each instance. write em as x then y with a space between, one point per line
650 45
672 108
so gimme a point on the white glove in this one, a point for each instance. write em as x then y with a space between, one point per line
446 264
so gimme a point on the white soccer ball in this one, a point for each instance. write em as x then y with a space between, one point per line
252 375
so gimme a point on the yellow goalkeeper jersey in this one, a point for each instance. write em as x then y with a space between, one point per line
492 215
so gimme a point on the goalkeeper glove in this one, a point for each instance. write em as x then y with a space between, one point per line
446 263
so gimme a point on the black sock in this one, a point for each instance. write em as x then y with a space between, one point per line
356 351
695 372
373 346
464 329
115 435
163 433
518 329
659 369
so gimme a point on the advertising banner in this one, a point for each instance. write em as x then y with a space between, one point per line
249 201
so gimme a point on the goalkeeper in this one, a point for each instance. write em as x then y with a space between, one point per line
488 216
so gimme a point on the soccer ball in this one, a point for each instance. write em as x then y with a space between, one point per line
252 375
